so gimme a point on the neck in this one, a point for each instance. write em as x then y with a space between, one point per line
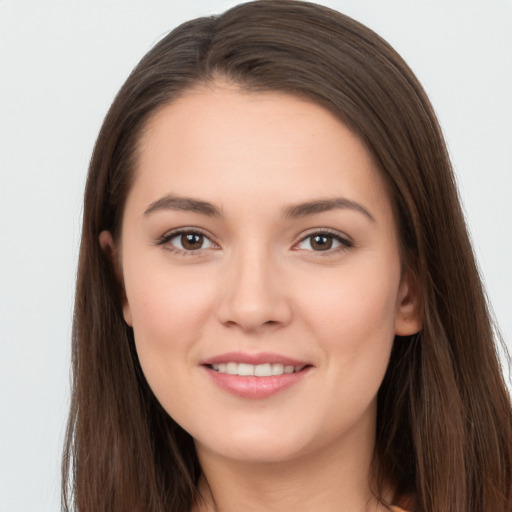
332 479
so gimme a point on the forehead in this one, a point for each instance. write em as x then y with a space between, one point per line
234 145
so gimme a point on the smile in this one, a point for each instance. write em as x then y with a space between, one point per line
256 370
255 376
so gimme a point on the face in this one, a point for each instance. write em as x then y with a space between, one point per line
263 281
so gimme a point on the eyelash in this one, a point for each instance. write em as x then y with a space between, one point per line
165 239
344 242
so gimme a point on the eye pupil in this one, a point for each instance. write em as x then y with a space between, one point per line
321 242
191 241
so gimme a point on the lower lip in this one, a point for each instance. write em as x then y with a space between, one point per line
255 387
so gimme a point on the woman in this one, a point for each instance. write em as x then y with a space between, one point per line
277 305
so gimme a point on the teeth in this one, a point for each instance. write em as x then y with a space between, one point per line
258 370
245 369
277 369
232 368
263 370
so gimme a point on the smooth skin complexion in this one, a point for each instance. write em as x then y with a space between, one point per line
259 231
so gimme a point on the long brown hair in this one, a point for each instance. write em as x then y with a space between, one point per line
444 427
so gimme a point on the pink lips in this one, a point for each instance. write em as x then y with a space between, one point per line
250 386
260 358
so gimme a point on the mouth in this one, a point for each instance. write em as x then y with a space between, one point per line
256 370
255 376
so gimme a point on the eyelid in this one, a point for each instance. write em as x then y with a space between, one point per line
344 240
169 235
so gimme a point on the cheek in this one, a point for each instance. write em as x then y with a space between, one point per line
354 323
168 317
353 305
353 320
164 300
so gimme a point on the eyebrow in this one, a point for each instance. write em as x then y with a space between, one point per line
189 204
324 205
186 204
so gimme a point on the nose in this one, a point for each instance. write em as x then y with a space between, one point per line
253 295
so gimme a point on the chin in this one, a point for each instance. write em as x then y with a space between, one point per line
261 443
256 452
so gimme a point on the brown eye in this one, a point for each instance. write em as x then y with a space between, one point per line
188 241
321 242
191 241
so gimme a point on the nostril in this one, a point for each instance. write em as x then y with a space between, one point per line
252 306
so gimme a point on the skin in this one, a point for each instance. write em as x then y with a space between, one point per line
257 284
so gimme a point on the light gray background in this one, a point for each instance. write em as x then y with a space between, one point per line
61 64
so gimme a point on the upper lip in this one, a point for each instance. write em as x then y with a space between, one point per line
255 359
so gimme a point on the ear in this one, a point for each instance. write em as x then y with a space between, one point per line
112 253
408 318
